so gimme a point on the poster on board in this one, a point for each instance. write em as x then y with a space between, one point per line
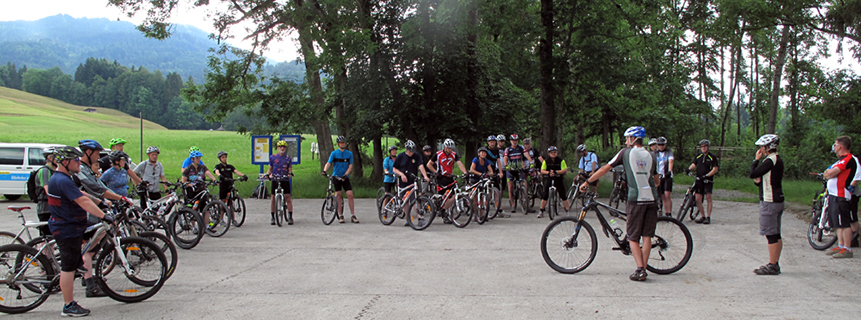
294 146
261 149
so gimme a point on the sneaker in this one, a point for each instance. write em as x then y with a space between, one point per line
73 309
768 270
700 220
842 254
832 251
290 219
340 219
272 222
353 219
707 220
540 215
638 275
95 291
503 215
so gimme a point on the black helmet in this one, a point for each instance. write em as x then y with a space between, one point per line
426 148
482 149
116 156
221 153
66 153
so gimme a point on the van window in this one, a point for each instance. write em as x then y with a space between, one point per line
13 156
36 158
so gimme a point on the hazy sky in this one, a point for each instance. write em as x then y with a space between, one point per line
37 9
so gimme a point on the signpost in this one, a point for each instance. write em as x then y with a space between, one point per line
261 149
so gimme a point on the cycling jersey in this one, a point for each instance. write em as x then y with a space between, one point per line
68 219
388 165
664 158
551 163
531 153
479 167
445 162
225 170
640 168
408 164
587 163
89 182
187 162
117 180
705 162
837 185
195 174
515 156
341 161
771 172
280 164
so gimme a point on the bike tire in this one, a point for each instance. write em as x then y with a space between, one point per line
220 218
420 214
388 210
683 212
672 246
565 248
493 198
147 277
481 208
7 237
329 210
462 212
279 209
152 223
818 238
614 198
381 192
39 274
237 207
552 211
523 200
169 250
184 227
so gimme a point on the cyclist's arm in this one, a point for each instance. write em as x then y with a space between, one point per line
217 173
88 205
462 168
424 172
399 173
326 167
831 173
713 172
528 157
692 167
544 168
133 176
760 168
209 174
472 169
269 171
657 179
564 168
239 173
349 169
600 173
431 165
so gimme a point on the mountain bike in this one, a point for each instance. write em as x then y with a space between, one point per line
479 198
535 187
552 199
330 204
494 198
820 235
620 189
280 204
575 196
403 201
183 223
129 269
10 238
235 203
216 211
519 191
568 249
689 203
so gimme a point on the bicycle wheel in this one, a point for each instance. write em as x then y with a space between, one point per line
388 210
819 238
614 198
144 277
552 211
7 237
279 209
565 248
421 213
330 210
493 205
219 218
683 210
184 227
27 278
481 208
169 250
462 211
381 192
672 246
237 207
522 198
152 223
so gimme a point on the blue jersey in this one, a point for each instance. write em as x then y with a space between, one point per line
341 161
68 219
388 167
479 167
117 180
280 164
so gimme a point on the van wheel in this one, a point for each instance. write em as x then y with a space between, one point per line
12 197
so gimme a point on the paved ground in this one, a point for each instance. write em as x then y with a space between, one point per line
371 271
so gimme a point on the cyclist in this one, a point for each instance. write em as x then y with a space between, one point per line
641 169
768 176
194 178
409 162
281 164
514 160
116 177
555 168
665 169
87 177
341 161
187 161
481 167
43 176
493 156
388 168
442 165
500 151
224 170
707 166
535 156
840 176
653 145
427 152
116 144
69 208
152 172
588 164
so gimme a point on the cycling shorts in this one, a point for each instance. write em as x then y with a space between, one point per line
342 184
702 187
284 185
70 253
442 182
838 211
224 189
666 185
559 183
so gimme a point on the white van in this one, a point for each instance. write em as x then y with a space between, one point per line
16 162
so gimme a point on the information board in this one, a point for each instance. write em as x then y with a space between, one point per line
261 149
294 146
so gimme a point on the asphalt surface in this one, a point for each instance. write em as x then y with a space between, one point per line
490 271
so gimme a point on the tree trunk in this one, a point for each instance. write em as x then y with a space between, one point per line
735 69
312 75
377 171
775 84
545 82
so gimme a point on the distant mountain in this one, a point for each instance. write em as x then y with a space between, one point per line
66 42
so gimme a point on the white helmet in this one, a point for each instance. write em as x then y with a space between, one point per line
410 145
152 149
769 141
500 137
448 143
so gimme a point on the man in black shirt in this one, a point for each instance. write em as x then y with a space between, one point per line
409 164
706 165
768 175
224 170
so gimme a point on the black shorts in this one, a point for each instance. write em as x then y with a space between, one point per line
703 187
853 209
666 185
70 253
43 217
224 189
838 211
642 220
389 186
284 185
442 182
342 184
559 183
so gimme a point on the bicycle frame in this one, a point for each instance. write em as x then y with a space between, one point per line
592 204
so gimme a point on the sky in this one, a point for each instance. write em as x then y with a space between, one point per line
31 10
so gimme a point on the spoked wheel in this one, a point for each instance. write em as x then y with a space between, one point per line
166 247
185 227
7 237
493 198
219 218
685 209
614 198
389 210
27 278
381 192
553 210
237 207
462 212
522 198
153 223
279 210
481 208
566 248
144 277
672 246
330 210
421 213
820 238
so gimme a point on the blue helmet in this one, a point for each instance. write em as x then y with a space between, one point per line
491 138
195 154
636 132
89 145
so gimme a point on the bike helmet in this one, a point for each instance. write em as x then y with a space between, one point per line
89 145
281 143
49 151
410 145
500 137
636 132
491 138
152 149
448 143
116 141
221 153
580 148
527 141
195 154
426 148
193 148
769 141
116 156
513 137
704 142
653 141
662 141
341 139
66 153
482 149
392 148
553 148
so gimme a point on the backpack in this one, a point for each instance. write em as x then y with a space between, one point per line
33 191
260 192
